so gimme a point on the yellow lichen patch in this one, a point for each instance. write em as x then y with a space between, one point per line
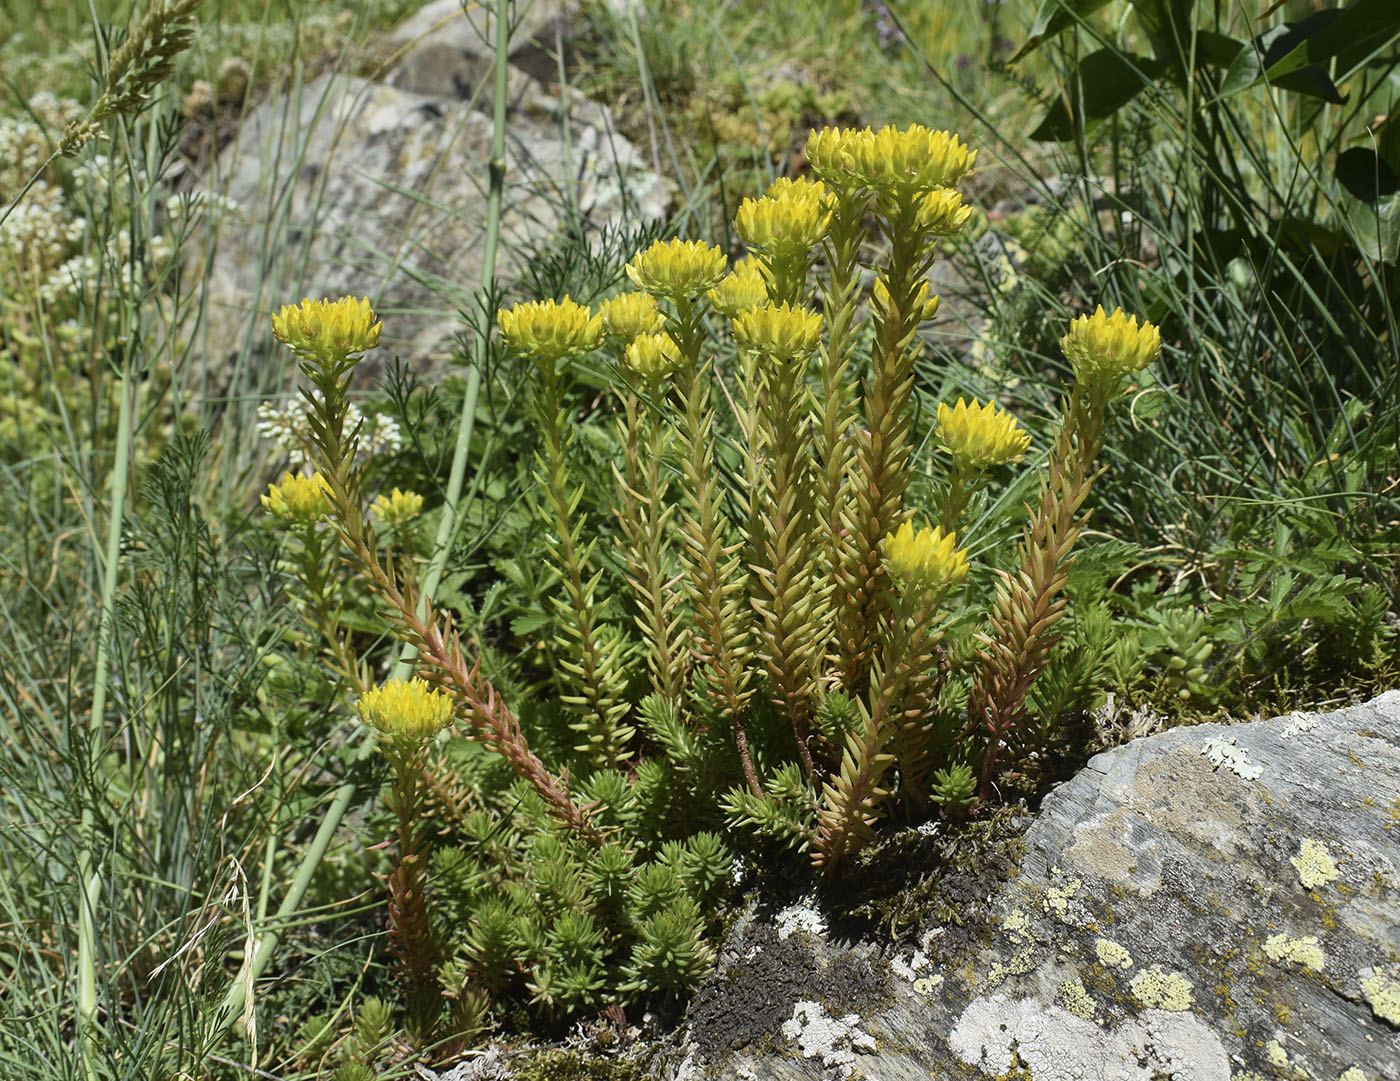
1057 898
1384 996
1161 990
1314 864
1112 955
1352 1073
1298 951
1278 1057
1072 996
1016 926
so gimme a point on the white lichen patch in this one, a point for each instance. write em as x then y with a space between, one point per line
1223 752
1162 990
1314 864
1383 995
800 917
1055 1045
834 1040
1112 955
1303 951
1299 722
1072 996
909 970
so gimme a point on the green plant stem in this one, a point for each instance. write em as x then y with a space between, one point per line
89 880
234 1001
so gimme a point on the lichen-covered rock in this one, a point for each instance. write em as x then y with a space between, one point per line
1208 904
353 186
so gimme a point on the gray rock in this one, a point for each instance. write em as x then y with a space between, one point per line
445 48
1208 904
351 186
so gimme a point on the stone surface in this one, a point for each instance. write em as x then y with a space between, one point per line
352 186
1208 904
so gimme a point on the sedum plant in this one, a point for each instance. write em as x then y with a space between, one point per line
779 660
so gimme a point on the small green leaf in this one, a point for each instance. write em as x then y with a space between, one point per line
1370 203
1325 34
1054 16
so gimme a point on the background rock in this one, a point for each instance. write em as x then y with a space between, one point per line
353 186
1212 903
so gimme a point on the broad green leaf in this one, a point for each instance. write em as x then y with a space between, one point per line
1258 63
1054 16
1330 32
1105 81
1370 202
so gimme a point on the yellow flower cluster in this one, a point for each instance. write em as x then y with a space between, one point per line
790 220
781 331
890 161
1105 348
298 498
551 330
926 560
629 314
406 709
980 436
398 508
679 269
653 356
327 329
742 288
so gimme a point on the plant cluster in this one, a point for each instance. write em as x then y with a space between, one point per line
786 608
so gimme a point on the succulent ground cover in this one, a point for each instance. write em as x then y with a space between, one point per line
444 713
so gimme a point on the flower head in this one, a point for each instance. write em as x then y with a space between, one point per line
550 330
398 508
406 709
327 329
782 331
742 288
979 436
890 161
629 314
790 220
298 498
1106 348
679 269
926 560
653 356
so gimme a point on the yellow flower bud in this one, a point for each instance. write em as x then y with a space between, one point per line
744 287
1105 348
781 331
790 220
941 212
629 314
326 329
928 559
979 436
550 330
406 709
398 508
298 498
653 356
679 269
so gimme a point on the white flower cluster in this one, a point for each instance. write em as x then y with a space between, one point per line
40 231
286 427
193 205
